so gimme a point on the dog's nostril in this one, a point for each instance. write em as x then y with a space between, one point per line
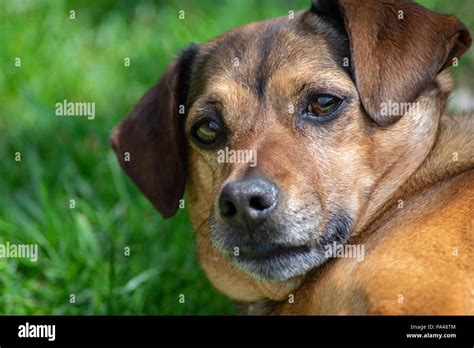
228 209
246 202
259 203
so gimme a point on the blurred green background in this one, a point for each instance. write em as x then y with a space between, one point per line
64 158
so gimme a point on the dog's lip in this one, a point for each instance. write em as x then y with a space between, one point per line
270 250
274 262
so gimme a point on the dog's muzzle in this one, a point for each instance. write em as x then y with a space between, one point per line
253 226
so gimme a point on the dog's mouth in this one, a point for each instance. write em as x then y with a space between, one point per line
270 251
284 253
275 262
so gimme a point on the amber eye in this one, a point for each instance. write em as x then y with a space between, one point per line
323 105
207 132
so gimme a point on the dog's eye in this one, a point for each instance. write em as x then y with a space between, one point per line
323 105
207 132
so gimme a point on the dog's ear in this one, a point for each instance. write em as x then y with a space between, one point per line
397 48
150 144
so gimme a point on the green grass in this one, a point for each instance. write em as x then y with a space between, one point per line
64 158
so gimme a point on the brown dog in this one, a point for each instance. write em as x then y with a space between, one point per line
360 200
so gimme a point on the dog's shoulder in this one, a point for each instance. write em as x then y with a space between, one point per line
430 236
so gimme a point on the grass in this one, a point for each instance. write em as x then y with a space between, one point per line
82 250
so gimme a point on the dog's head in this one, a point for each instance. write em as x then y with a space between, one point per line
289 134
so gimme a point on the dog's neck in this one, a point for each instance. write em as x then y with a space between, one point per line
451 154
439 147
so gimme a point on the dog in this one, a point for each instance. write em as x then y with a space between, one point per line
344 104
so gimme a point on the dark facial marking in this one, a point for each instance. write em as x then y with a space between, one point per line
184 82
267 43
338 229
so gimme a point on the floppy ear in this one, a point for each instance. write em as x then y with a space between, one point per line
397 48
149 143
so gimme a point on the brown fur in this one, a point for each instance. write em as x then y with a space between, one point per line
361 164
407 253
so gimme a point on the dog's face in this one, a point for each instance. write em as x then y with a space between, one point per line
278 131
277 94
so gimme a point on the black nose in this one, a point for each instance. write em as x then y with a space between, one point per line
248 202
